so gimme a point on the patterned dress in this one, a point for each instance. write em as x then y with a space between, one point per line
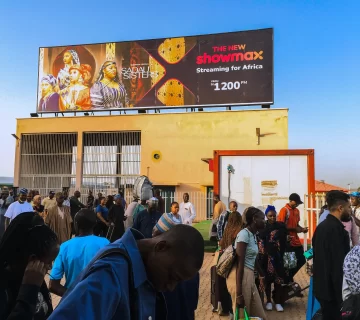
105 97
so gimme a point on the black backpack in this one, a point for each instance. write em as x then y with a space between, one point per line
351 308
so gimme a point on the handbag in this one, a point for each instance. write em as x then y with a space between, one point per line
290 261
226 261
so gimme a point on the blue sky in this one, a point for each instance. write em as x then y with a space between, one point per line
317 44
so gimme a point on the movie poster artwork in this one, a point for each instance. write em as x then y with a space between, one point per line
210 70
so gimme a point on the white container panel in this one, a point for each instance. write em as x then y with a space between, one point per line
262 180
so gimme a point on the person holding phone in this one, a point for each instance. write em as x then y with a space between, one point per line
290 215
241 280
27 251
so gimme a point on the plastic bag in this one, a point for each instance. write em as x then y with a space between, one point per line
290 261
237 316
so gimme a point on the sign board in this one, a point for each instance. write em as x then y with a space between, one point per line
198 71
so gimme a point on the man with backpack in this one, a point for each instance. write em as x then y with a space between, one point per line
290 215
123 280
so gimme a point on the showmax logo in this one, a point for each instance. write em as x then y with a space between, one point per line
230 57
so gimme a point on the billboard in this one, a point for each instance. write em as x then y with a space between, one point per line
209 70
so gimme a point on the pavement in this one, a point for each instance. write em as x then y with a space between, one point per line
295 309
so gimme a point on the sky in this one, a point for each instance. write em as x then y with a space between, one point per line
316 66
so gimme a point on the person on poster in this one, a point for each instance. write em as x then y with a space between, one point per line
76 96
70 58
108 92
49 101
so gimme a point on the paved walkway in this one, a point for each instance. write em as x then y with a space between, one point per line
295 308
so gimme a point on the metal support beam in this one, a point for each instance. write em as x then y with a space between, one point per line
79 161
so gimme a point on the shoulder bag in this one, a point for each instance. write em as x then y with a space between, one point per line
226 261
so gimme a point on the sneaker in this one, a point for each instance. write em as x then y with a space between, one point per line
269 306
279 308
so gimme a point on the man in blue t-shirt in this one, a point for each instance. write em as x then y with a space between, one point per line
76 253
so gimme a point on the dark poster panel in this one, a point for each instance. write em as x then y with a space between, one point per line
220 69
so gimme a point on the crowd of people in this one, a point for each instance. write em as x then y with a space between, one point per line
269 254
260 242
149 261
142 272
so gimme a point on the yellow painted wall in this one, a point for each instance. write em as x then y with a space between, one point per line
182 138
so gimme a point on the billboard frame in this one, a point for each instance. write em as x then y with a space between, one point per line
264 104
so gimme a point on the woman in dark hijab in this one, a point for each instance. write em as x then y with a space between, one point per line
27 251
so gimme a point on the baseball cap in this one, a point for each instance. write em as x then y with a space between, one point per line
295 197
355 194
51 192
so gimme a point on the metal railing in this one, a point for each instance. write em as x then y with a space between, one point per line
312 207
203 202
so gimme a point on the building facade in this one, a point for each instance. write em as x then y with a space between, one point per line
98 152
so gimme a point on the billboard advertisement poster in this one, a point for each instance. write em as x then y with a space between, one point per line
210 70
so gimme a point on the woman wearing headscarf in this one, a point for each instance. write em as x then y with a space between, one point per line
116 218
182 302
27 251
38 207
76 96
109 202
70 58
272 245
49 101
108 92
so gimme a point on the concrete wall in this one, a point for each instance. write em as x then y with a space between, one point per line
182 139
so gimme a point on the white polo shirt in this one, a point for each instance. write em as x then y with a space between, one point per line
17 208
